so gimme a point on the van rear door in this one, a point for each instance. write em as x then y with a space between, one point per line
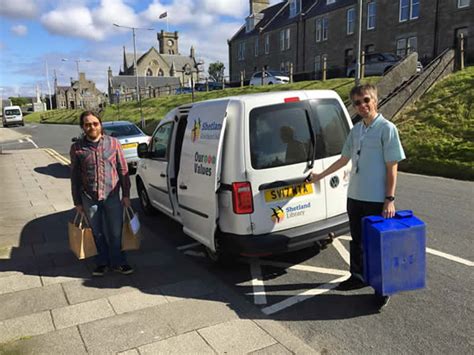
199 174
281 142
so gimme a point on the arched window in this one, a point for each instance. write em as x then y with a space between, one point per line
149 72
160 72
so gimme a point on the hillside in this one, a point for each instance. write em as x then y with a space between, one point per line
438 131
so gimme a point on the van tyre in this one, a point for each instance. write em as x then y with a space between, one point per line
219 256
145 204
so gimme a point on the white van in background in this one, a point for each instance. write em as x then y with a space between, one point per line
12 115
232 171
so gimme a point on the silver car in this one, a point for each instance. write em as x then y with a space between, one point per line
129 136
270 77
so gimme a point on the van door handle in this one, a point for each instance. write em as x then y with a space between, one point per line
162 175
183 187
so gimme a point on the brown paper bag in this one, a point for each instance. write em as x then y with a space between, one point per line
130 231
81 239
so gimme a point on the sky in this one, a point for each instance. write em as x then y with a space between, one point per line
40 37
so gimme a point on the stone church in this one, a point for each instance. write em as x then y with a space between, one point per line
159 72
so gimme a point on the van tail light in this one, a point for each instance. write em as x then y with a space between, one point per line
242 199
292 99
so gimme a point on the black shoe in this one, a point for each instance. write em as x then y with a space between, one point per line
352 283
100 270
124 269
381 301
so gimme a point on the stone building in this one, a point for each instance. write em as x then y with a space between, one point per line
81 94
302 33
159 72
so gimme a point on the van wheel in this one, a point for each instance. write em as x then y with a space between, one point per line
219 257
145 204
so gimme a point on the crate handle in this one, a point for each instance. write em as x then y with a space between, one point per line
404 214
374 219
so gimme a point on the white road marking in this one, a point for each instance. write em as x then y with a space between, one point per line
188 246
320 270
341 250
303 296
258 286
21 141
450 257
195 253
345 237
31 141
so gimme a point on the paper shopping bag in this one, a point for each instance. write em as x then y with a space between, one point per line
130 230
81 239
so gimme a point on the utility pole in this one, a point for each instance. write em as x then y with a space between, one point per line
49 86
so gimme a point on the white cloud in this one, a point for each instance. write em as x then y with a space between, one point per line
19 8
19 30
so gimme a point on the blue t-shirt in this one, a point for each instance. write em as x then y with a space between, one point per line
370 148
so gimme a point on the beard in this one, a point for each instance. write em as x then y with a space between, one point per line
93 134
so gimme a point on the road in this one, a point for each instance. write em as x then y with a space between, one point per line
291 288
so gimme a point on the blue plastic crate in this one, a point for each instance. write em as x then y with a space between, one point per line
394 252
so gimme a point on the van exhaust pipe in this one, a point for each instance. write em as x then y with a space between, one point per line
323 244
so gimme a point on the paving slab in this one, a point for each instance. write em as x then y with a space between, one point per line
32 324
188 343
36 300
63 274
276 349
18 283
66 341
81 313
195 288
125 331
237 336
135 300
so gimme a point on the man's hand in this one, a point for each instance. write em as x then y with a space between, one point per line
388 209
126 202
313 177
79 209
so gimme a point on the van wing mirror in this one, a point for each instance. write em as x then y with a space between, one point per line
142 150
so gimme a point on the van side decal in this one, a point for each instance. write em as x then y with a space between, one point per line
200 214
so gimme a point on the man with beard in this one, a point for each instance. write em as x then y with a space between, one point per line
98 172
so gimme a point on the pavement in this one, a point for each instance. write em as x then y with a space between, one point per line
50 304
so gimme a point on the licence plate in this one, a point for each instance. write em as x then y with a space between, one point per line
129 145
287 192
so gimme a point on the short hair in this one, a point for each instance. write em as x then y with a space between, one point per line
360 90
88 113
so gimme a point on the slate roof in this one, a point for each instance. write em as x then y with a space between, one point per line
321 8
283 19
129 81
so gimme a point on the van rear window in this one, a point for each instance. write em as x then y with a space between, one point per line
12 112
281 134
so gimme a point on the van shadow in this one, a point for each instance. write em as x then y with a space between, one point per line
56 170
161 270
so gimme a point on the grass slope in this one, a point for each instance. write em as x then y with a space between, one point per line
438 131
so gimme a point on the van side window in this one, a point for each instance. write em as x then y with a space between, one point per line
279 135
160 141
332 125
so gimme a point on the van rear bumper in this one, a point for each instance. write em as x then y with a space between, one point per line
285 240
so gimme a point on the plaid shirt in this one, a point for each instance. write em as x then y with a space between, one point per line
99 171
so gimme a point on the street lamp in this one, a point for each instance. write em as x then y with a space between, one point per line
359 42
135 66
77 63
49 86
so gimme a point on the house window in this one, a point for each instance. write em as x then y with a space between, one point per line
267 43
406 46
282 67
241 50
370 48
285 39
350 21
329 2
371 15
295 7
256 46
463 3
322 25
348 56
317 63
409 10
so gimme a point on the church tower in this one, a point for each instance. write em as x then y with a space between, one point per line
168 42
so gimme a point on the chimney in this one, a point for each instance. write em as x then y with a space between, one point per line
257 6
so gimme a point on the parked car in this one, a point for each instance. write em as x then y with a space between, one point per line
232 171
270 77
130 136
183 90
212 85
12 115
375 64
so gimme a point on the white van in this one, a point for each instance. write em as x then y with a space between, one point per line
12 115
232 171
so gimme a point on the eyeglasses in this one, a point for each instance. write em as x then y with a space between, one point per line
90 124
364 100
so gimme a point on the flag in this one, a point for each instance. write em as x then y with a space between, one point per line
163 15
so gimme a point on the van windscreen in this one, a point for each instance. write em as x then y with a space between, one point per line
12 112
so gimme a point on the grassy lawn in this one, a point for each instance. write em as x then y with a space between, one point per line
438 131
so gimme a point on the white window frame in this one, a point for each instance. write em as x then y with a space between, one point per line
241 52
287 38
325 28
350 21
410 4
412 45
267 43
369 17
463 3
282 40
256 46
295 7
318 29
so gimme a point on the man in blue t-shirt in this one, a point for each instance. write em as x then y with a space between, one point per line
374 147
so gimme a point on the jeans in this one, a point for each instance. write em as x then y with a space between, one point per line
105 217
356 211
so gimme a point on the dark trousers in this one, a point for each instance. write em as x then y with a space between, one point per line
357 210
